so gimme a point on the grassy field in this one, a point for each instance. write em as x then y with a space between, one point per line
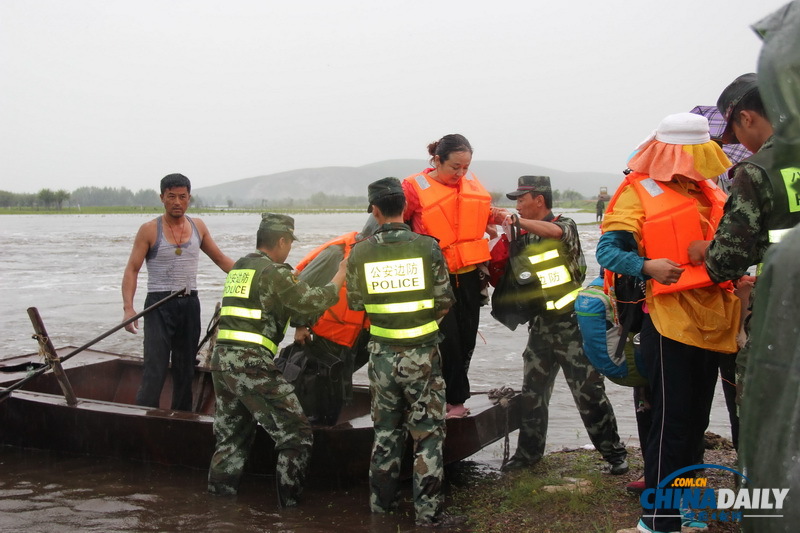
567 492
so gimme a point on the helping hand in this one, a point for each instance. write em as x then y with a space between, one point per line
665 271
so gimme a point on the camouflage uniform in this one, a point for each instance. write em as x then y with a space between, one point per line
408 392
251 391
742 236
555 341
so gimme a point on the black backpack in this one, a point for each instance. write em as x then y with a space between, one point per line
317 379
518 295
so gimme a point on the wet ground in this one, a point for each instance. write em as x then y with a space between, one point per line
46 492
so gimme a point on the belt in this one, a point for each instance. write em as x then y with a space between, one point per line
187 294
164 294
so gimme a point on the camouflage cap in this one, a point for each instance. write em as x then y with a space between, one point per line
526 184
730 98
381 188
276 222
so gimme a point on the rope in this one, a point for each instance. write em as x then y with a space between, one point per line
502 396
42 340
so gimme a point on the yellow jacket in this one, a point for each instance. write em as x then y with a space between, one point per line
706 317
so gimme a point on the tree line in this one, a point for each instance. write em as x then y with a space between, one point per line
47 199
83 196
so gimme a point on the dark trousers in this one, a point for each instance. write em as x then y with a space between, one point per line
727 374
171 333
460 328
682 380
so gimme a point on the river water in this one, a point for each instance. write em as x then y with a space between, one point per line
70 267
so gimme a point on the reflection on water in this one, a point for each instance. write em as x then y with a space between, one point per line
42 492
70 268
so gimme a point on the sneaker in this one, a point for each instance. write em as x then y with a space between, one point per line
641 527
443 520
689 521
618 467
694 524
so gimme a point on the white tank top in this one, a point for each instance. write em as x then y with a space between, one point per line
168 271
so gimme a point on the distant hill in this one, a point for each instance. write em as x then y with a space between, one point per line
496 176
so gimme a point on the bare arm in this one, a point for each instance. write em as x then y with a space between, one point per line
141 244
211 249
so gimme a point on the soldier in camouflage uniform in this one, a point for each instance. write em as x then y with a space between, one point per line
259 296
401 280
555 340
761 206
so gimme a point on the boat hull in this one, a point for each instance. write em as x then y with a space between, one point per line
105 422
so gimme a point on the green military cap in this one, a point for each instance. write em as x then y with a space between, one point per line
526 184
730 98
276 222
381 188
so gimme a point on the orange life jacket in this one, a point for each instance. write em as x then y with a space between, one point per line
456 216
672 221
339 323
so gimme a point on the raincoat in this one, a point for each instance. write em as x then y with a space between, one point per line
706 317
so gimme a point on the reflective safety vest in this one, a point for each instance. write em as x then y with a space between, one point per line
339 323
548 261
456 216
241 319
396 284
785 199
672 221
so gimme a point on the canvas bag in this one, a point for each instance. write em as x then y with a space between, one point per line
316 376
608 343
518 295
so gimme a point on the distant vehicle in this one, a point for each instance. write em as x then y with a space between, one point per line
603 194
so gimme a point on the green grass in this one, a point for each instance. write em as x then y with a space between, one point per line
518 502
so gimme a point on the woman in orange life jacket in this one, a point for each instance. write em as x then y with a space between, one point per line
448 203
665 203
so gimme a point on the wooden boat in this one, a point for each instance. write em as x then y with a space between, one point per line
105 421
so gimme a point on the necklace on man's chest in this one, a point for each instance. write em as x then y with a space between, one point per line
178 249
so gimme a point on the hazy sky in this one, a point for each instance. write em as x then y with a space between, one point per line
122 92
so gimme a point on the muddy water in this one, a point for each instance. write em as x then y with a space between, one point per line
70 267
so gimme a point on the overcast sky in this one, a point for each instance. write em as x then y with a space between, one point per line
122 92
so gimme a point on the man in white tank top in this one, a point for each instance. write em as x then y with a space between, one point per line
171 245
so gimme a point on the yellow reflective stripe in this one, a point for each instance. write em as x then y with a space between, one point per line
241 312
563 301
245 336
409 333
404 307
553 277
539 258
775 235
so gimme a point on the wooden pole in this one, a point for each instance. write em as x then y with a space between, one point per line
5 393
46 346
